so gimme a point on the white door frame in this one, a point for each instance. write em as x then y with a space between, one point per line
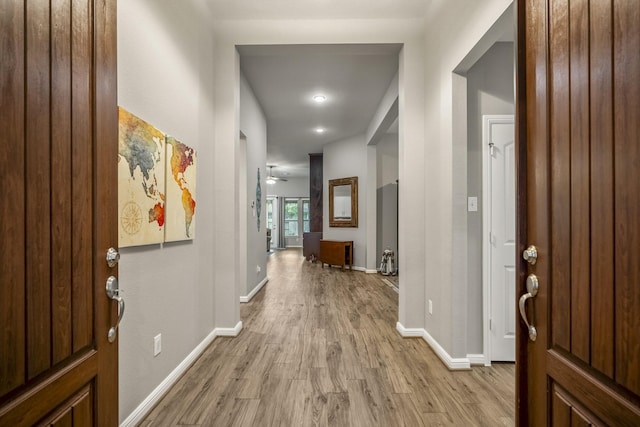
489 119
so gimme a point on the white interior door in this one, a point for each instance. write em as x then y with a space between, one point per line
500 235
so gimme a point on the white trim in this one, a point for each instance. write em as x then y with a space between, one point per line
254 291
486 241
452 363
391 285
487 121
158 393
364 270
478 359
409 332
229 332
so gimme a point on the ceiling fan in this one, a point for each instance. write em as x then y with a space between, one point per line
272 179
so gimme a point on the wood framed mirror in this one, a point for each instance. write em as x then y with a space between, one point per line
343 202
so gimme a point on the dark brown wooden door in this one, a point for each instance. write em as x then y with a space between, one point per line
58 196
579 203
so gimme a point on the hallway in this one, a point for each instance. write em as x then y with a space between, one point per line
319 347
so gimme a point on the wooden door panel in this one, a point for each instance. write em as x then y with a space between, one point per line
602 187
12 199
49 394
82 150
57 186
582 149
579 187
59 157
77 411
626 113
37 188
61 272
560 175
566 411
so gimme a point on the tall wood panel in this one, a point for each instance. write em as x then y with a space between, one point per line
581 151
12 197
626 175
59 139
316 185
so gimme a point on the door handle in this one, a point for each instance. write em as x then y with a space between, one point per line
532 291
113 292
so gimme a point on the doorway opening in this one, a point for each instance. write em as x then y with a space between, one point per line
296 220
338 100
272 223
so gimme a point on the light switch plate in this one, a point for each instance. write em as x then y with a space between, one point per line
157 345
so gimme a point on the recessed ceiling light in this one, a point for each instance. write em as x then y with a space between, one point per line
319 130
319 98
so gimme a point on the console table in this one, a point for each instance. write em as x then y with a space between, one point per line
336 253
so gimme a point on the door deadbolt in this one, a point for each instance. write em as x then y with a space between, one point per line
530 254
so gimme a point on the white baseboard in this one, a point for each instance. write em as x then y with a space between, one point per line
409 332
453 364
229 332
254 291
364 270
478 359
158 393
391 285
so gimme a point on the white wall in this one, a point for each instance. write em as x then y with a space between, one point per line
293 187
490 91
253 126
387 194
344 159
164 78
462 23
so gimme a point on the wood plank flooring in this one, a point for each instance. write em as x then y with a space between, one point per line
319 348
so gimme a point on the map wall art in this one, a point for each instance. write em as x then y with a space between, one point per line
156 185
141 169
181 191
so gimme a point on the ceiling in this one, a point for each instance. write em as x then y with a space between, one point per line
284 79
317 9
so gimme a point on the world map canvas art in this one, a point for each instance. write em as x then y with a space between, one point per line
156 184
181 191
141 182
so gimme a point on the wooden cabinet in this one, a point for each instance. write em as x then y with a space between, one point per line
336 253
311 245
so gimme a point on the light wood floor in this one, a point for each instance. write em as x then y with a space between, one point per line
319 347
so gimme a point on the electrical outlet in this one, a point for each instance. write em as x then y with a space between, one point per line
157 345
258 269
430 307
472 204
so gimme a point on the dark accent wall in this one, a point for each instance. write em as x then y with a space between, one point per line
315 192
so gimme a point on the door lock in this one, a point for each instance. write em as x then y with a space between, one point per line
112 257
530 254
